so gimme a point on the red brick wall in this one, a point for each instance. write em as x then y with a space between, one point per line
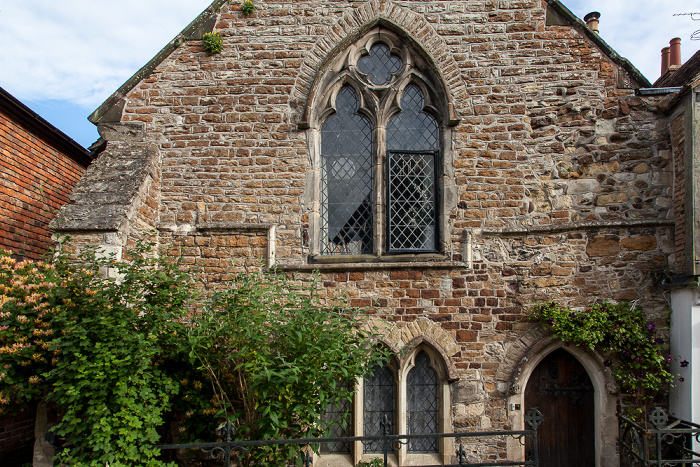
36 181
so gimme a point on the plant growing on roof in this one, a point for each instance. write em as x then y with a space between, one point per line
247 7
213 43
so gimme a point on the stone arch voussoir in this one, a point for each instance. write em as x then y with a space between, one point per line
535 345
360 20
416 333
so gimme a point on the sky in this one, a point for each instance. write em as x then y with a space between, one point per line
63 59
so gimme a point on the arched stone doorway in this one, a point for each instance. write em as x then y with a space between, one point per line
519 364
560 388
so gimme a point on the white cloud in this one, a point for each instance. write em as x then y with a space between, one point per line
83 50
638 30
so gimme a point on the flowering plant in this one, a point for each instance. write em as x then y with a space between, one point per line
247 7
26 310
96 347
639 362
213 43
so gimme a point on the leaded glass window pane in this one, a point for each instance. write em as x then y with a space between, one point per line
411 202
412 143
379 403
380 64
347 143
339 414
412 129
422 387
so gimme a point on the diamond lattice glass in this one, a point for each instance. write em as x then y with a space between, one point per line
412 143
346 179
339 414
422 387
379 404
380 64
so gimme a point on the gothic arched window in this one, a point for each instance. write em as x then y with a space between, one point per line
378 126
423 404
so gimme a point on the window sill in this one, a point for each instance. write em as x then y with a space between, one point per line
373 262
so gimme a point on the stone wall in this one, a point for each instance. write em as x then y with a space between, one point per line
677 130
563 176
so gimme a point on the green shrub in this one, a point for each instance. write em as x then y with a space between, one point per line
118 356
278 357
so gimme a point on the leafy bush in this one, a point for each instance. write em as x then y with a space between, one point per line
119 356
95 347
278 357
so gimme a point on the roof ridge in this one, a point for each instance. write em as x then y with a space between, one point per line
201 24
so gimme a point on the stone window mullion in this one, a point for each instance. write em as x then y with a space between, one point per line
380 190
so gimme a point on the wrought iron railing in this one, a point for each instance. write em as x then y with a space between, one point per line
667 442
228 450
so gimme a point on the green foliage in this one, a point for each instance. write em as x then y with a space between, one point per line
278 357
213 43
641 364
95 347
375 462
120 356
247 7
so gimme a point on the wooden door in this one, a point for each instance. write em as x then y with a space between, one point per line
561 389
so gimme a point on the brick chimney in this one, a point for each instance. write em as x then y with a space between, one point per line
592 21
675 58
665 59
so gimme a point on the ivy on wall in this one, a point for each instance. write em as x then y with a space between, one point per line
639 359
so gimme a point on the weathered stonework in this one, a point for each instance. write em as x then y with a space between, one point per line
561 177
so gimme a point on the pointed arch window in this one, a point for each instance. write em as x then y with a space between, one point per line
346 180
379 406
381 117
423 407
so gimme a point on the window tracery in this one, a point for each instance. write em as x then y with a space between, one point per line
379 123
411 394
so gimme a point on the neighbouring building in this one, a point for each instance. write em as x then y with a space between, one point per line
682 83
39 166
449 162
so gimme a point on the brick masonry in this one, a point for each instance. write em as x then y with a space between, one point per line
563 175
37 178
39 166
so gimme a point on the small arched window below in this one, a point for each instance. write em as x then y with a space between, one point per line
423 404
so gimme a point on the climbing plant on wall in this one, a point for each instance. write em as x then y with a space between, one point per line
639 356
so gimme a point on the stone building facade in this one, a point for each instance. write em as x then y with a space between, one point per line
447 163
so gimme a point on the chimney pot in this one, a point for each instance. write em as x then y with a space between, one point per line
665 59
675 53
592 21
